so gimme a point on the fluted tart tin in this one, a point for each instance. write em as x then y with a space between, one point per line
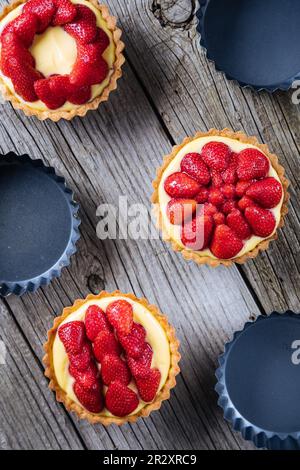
39 224
253 42
259 381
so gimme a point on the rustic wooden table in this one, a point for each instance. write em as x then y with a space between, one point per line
168 91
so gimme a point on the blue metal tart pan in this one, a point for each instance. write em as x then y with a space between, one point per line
259 381
253 42
39 224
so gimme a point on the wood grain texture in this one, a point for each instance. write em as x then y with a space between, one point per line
168 91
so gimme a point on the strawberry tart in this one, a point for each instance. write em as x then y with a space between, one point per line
112 358
220 197
59 58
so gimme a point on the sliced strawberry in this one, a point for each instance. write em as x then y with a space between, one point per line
216 197
14 54
95 322
267 192
65 13
102 39
120 316
237 222
80 95
81 360
245 202
24 26
229 206
90 68
252 164
242 186
219 218
225 243
106 343
24 78
140 368
196 234
180 185
228 190
43 9
148 387
134 342
180 210
53 91
88 378
83 28
114 368
120 400
262 221
202 196
73 337
194 166
216 179
216 155
92 400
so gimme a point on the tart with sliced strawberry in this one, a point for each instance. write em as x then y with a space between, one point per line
59 58
220 197
112 358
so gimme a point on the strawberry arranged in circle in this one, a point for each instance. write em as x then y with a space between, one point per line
24 26
196 234
65 12
237 222
120 400
252 164
216 155
44 10
267 192
90 68
225 243
180 185
179 210
193 165
83 28
261 221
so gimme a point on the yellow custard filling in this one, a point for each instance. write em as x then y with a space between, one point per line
156 337
55 53
174 231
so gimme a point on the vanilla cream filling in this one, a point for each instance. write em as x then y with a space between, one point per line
156 337
174 231
55 53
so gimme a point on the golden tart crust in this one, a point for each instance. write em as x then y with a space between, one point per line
193 255
56 115
163 394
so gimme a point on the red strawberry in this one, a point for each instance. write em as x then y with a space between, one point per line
106 343
194 166
229 206
114 368
202 196
228 190
14 54
120 400
120 316
90 68
252 164
267 192
219 218
229 175
80 95
24 78
140 368
225 244
179 210
216 179
102 39
82 359
43 9
83 28
216 197
92 400
209 209
180 185
216 155
53 91
262 221
134 342
88 378
242 186
148 387
236 221
245 202
95 322
24 26
65 13
72 335
196 233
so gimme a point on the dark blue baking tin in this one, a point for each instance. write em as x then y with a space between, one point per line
259 381
39 224
254 42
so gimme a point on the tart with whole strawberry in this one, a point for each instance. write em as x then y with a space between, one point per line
112 358
220 197
59 58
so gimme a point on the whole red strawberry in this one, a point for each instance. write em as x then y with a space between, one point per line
196 234
83 28
24 26
140 368
179 210
114 368
216 197
219 218
106 343
43 9
267 192
180 185
237 222
53 91
92 400
202 196
148 387
120 316
262 221
216 155
228 190
65 13
95 322
72 335
252 164
225 243
134 342
229 206
216 179
81 360
90 68
120 400
194 166
245 202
